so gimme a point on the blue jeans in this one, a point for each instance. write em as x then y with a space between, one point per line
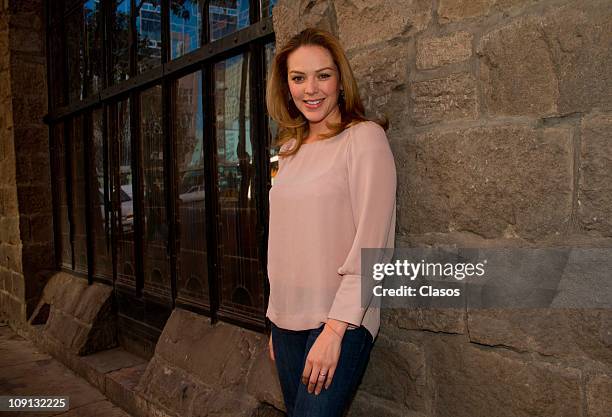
290 351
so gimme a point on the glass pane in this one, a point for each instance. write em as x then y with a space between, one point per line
93 45
148 33
188 131
240 271
59 176
120 40
156 267
227 16
79 207
185 26
100 193
272 125
123 195
74 45
267 6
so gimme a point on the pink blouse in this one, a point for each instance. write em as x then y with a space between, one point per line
332 198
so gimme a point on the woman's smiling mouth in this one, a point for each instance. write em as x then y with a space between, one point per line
313 104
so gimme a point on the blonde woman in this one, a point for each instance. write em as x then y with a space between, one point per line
333 195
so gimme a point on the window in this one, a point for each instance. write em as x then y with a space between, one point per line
161 150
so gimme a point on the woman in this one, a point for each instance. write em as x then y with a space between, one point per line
334 194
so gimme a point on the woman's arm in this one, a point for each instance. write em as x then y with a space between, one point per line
372 185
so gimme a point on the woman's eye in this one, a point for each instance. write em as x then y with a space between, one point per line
324 75
296 79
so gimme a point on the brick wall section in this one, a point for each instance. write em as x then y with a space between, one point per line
501 121
26 223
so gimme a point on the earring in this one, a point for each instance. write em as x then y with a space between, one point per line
342 94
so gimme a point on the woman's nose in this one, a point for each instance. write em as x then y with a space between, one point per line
311 86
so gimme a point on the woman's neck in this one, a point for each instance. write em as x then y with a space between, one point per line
315 130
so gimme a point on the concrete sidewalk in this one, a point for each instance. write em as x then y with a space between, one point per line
24 370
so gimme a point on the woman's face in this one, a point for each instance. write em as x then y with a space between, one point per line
314 83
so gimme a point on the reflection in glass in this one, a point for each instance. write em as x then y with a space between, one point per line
123 195
188 133
120 40
156 267
59 173
148 34
79 208
241 274
75 62
272 125
92 11
185 26
267 6
227 16
100 193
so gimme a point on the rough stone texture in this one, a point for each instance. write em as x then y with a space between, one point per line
442 320
580 39
599 400
550 77
481 180
595 194
518 80
290 20
80 315
454 10
382 74
201 370
570 334
433 52
362 22
446 99
397 360
473 382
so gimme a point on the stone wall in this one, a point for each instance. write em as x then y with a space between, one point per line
501 125
26 223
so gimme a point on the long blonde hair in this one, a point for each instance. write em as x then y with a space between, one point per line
291 122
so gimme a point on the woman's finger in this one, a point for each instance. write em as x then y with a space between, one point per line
320 381
307 371
330 377
314 376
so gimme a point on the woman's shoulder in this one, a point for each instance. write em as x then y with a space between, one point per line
367 134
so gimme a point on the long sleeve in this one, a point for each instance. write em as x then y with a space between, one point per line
372 186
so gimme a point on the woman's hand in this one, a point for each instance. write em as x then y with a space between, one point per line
323 356
271 348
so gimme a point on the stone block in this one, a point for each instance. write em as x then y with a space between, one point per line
579 36
289 20
262 379
224 404
397 373
595 184
170 386
444 99
37 256
24 40
434 320
41 228
518 80
469 383
456 10
561 333
94 300
8 198
599 400
9 230
10 257
366 405
19 287
29 110
490 181
380 72
438 51
189 342
31 139
361 23
34 199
